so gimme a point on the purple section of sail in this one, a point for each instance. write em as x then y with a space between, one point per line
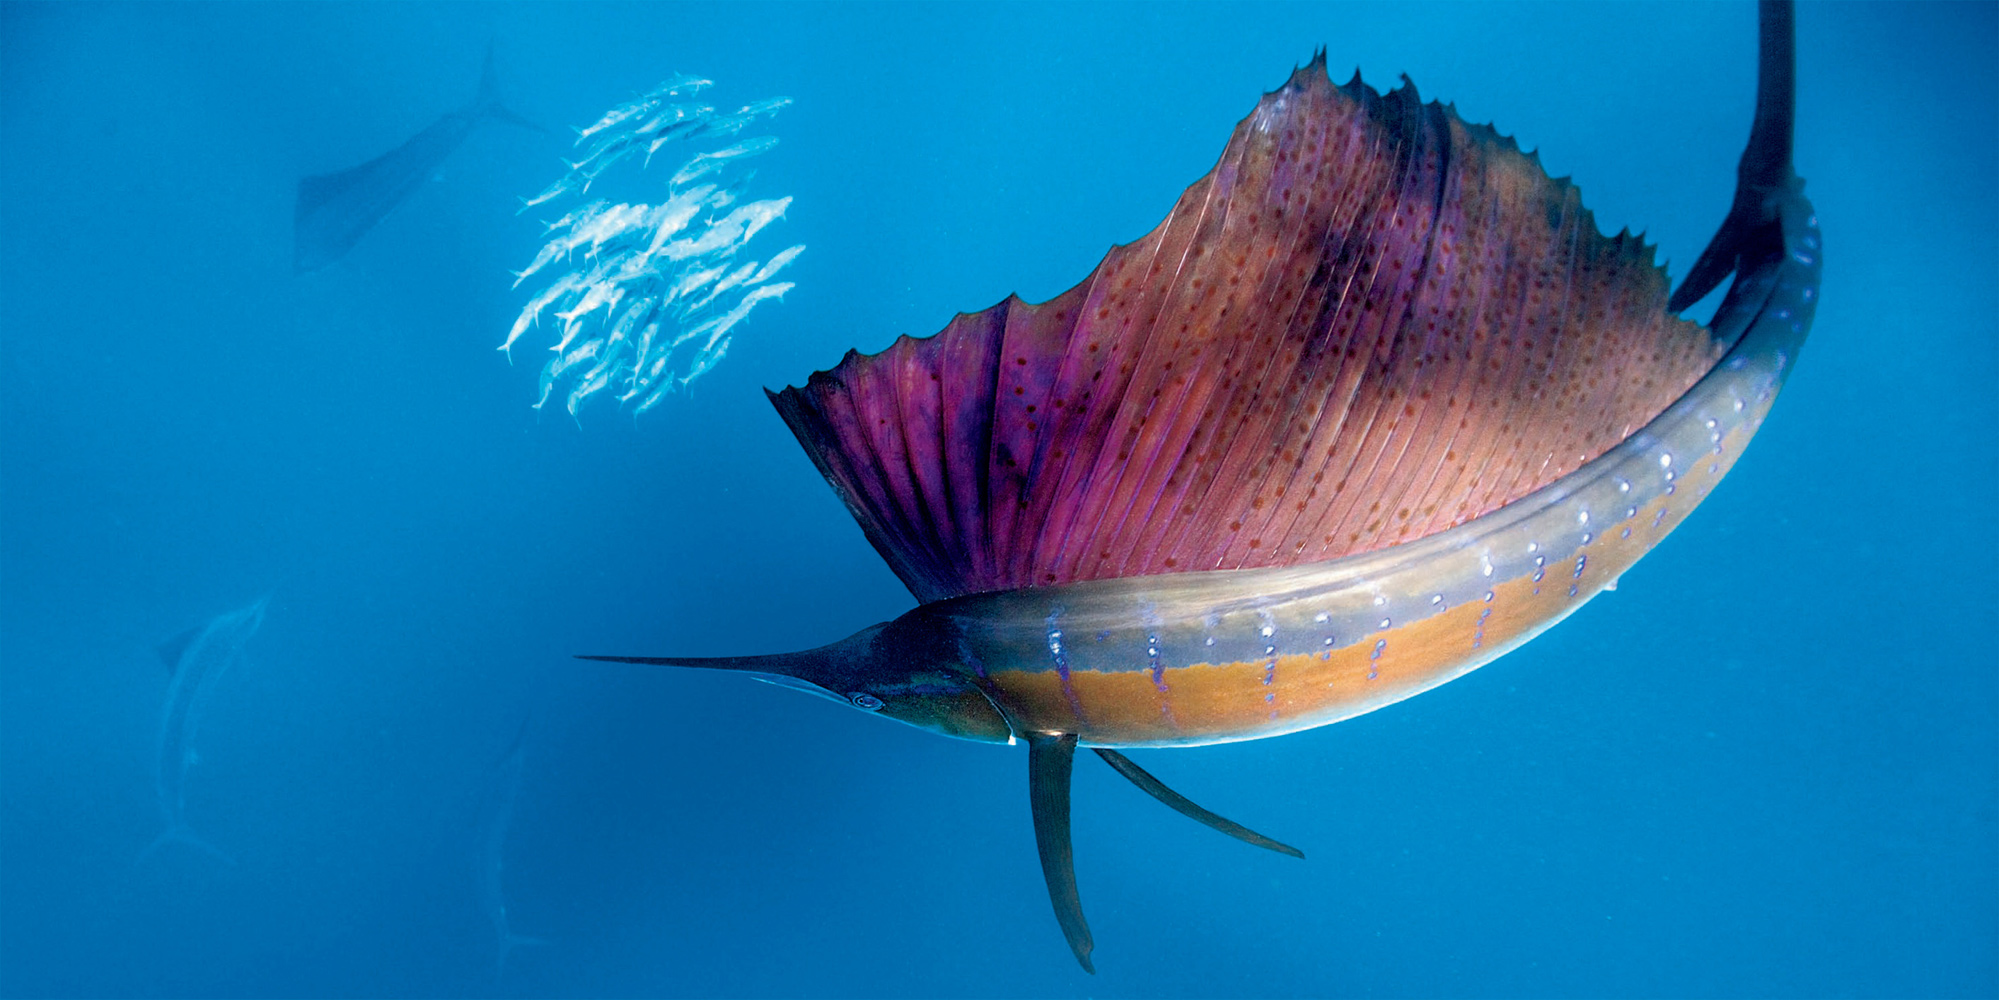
1368 323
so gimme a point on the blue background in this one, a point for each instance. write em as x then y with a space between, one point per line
1765 766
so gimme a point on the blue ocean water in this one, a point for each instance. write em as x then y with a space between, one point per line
1768 765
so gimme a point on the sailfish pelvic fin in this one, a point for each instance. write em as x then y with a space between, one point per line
1051 759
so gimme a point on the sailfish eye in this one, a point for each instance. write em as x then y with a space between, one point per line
865 701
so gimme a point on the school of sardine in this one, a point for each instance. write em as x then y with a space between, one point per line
649 295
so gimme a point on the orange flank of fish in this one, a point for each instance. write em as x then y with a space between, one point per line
1220 702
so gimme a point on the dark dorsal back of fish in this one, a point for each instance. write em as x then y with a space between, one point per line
1370 322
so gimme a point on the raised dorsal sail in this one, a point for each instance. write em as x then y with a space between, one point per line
1368 323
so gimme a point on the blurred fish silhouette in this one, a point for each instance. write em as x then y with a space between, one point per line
496 816
1375 405
335 210
198 658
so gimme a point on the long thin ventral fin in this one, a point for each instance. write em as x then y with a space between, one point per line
1051 759
1184 806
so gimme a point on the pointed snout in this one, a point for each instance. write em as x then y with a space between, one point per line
900 669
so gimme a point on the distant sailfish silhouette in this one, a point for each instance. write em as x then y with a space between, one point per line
335 210
501 789
198 658
1374 405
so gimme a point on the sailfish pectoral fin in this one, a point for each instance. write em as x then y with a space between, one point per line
1186 807
1051 759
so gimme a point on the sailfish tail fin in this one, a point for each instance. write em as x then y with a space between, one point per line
507 946
487 104
180 833
1752 226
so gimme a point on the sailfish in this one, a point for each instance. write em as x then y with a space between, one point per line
335 210
498 795
1375 405
197 660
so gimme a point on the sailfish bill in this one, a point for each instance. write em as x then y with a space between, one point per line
1375 405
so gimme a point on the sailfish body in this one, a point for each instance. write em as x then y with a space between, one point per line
1375 405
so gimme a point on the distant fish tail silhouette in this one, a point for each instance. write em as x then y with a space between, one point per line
507 946
487 103
181 834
